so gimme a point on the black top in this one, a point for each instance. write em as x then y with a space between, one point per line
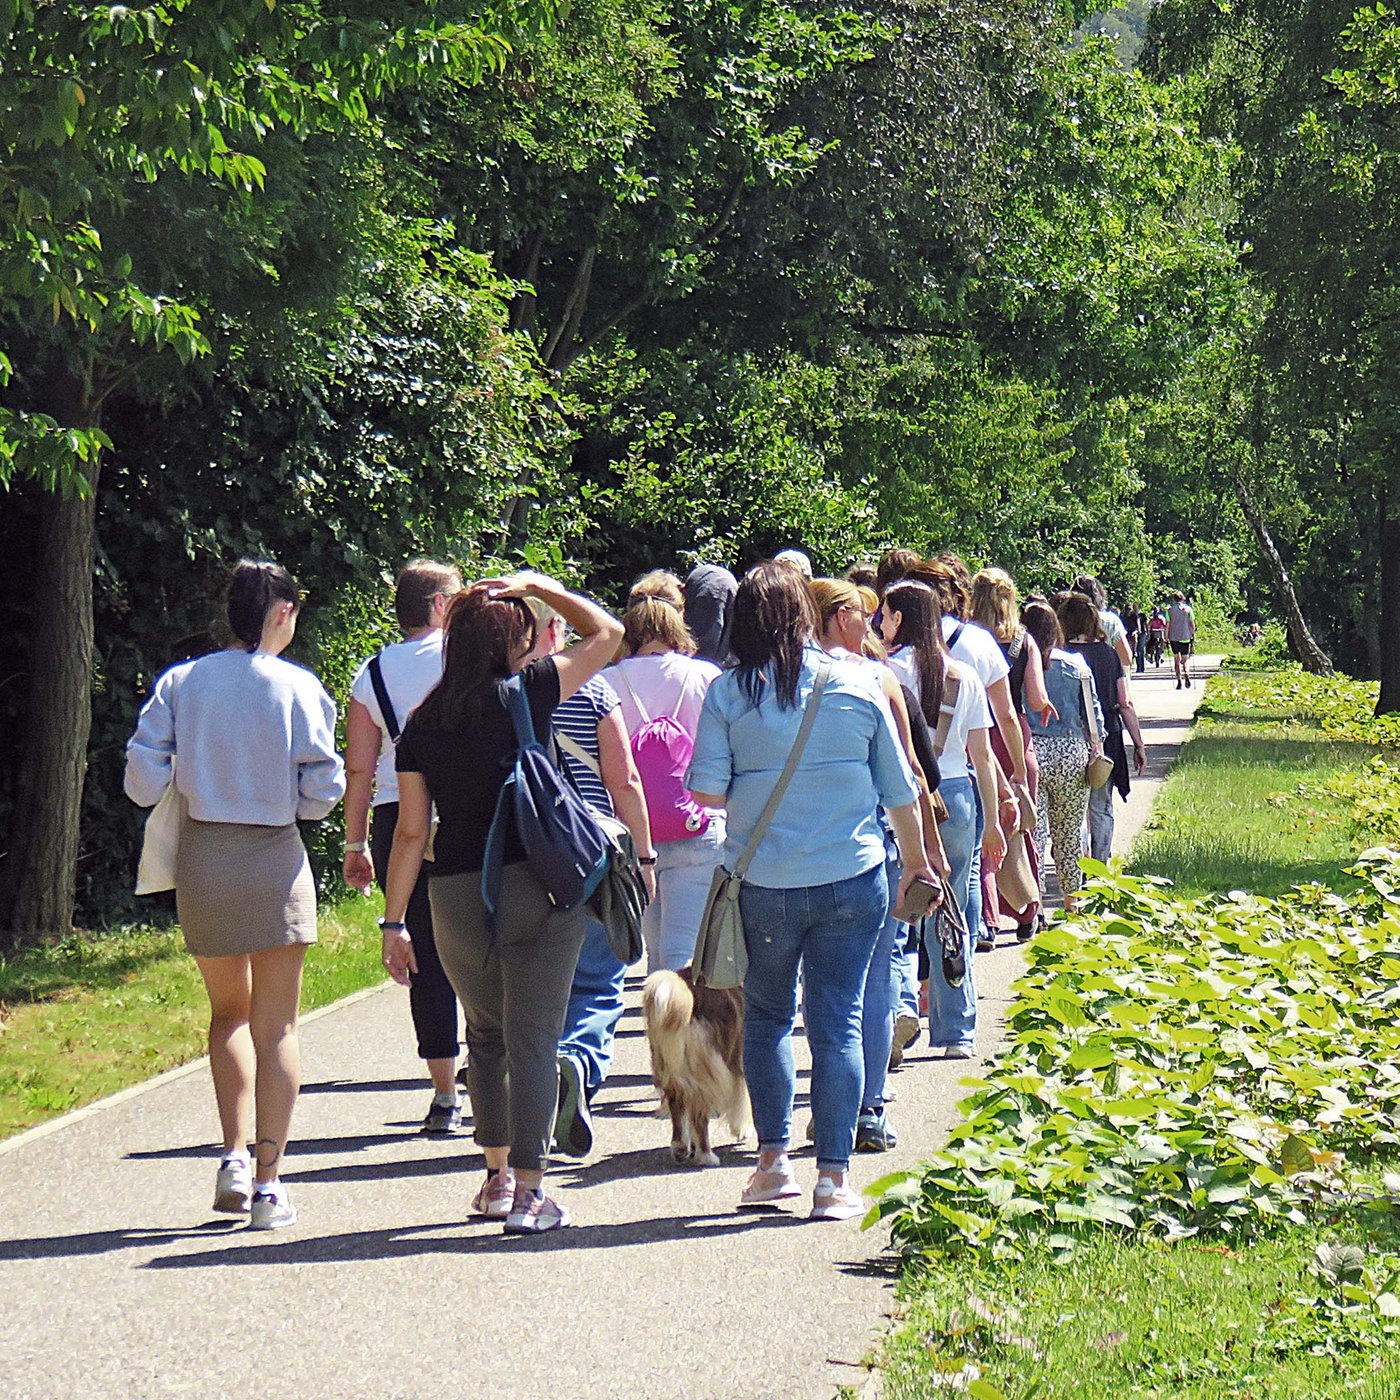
465 768
1015 653
921 738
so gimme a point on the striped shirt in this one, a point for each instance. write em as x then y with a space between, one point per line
579 717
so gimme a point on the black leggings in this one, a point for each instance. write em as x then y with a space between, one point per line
431 1000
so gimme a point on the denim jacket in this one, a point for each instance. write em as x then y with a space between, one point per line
1064 674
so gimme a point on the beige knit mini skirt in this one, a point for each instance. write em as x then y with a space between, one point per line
243 889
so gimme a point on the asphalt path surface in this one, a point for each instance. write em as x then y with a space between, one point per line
117 1281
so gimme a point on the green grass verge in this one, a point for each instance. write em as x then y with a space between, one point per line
1220 823
85 1017
1211 1317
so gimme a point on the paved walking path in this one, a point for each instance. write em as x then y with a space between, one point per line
115 1281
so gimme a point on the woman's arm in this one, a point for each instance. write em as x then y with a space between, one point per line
151 749
320 773
362 742
600 633
1130 722
909 836
1037 698
619 773
999 697
405 861
980 752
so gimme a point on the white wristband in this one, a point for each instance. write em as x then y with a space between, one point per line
356 847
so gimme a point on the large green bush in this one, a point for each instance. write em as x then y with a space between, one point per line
1174 1067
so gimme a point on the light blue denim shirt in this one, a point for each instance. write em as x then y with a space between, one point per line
826 828
1063 683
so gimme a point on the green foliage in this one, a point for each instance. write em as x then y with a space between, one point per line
1370 799
1339 706
1142 1091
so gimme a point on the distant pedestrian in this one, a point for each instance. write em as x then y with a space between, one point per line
248 740
1181 633
1156 636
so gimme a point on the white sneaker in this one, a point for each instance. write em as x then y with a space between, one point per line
272 1210
233 1187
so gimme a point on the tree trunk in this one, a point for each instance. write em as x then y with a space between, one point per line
41 864
1300 640
1389 622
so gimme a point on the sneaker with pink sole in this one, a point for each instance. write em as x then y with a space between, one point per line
496 1194
768 1187
833 1201
534 1214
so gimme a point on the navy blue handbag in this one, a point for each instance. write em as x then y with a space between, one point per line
565 848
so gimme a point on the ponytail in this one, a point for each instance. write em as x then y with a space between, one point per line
257 585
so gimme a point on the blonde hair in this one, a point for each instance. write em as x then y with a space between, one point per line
651 619
662 584
831 595
994 603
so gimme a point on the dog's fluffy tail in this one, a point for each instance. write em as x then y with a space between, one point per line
667 1005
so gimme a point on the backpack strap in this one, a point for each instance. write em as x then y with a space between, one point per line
512 696
381 694
636 699
957 632
809 718
948 704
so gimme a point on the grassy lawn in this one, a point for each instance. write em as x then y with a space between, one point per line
86 1017
1248 1315
1219 824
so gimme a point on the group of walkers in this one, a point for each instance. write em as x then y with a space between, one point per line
944 737
1149 635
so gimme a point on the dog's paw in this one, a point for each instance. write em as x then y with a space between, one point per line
707 1159
682 1152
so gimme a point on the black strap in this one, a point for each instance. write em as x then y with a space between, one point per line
381 693
957 632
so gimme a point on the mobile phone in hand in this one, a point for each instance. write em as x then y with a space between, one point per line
917 902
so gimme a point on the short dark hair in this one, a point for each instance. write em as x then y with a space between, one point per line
256 585
419 582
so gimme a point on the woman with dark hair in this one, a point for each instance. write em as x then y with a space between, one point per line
911 624
661 678
815 895
254 737
513 981
1080 622
1064 745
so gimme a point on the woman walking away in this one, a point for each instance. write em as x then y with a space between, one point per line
1079 620
662 684
512 978
911 624
1064 746
386 690
994 607
843 611
249 742
815 895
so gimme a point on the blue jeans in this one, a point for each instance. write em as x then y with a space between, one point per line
882 994
974 877
831 931
684 868
595 1008
1101 821
952 1011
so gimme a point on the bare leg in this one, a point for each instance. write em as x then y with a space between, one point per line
444 1075
229 985
276 1002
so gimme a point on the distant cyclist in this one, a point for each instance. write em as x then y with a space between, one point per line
1181 633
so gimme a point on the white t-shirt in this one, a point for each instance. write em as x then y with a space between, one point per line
1113 629
978 649
971 712
1181 624
410 670
668 684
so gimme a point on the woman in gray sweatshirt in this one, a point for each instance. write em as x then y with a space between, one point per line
249 742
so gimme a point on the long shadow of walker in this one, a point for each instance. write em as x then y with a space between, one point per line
408 1242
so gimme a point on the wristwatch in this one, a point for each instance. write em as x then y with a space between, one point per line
393 925
646 860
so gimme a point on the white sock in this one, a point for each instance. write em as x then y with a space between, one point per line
271 1188
447 1100
237 1154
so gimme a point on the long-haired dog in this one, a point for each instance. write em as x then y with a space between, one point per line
697 1043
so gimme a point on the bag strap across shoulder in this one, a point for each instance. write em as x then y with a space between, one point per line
948 704
576 751
381 694
809 718
1091 718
